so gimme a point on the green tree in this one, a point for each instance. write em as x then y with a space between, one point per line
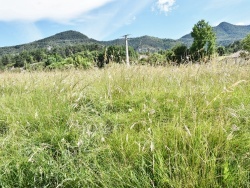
246 43
79 60
19 61
5 60
204 40
180 53
221 50
117 54
101 59
169 54
39 55
50 60
234 47
156 59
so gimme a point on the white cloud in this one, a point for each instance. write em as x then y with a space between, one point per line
56 10
165 5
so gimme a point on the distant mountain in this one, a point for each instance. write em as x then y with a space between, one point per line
67 38
226 34
145 43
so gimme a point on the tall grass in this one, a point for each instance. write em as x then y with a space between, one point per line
135 126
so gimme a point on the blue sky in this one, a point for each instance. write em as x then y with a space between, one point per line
23 21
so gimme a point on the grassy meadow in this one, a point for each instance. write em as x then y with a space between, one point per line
136 126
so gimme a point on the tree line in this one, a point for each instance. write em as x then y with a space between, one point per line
84 56
79 56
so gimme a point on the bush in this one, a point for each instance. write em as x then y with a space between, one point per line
221 50
180 53
35 66
156 59
246 43
82 62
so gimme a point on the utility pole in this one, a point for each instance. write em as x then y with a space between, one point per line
126 43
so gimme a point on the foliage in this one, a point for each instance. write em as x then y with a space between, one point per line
40 66
169 55
204 40
176 55
65 39
221 50
5 60
145 43
234 47
246 43
38 55
185 126
226 34
81 61
115 54
180 53
245 55
80 56
157 59
50 60
102 59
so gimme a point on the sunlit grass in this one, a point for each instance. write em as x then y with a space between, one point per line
134 126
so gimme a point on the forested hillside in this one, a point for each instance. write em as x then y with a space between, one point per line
145 43
226 34
63 39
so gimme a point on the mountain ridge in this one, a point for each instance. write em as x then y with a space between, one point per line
226 34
